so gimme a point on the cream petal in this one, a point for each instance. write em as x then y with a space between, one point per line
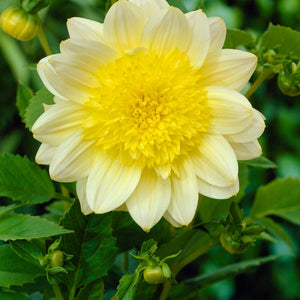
58 122
88 53
45 154
230 111
217 192
251 132
123 25
199 39
171 220
229 68
110 183
215 162
81 193
166 31
184 194
148 8
73 68
149 201
217 28
245 151
80 28
61 86
73 159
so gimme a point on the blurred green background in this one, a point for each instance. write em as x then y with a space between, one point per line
281 140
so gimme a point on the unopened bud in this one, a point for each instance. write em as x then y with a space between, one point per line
19 24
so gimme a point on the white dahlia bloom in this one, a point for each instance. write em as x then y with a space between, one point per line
147 112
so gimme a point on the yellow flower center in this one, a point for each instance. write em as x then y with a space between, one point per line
149 109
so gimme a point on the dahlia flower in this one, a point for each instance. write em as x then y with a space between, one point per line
147 112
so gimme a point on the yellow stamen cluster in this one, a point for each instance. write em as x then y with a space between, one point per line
148 108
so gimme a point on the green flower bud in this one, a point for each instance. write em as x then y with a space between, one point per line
56 259
232 241
154 275
19 24
289 85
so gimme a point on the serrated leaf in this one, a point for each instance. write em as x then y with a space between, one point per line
27 250
5 209
24 95
231 270
259 162
237 37
14 227
284 40
92 291
36 108
14 270
280 198
22 180
126 288
92 244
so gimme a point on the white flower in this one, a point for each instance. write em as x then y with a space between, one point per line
148 112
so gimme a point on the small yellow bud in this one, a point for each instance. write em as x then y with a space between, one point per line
19 24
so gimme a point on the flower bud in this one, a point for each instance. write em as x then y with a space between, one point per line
19 24
154 275
288 79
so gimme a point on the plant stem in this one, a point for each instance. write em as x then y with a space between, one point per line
265 73
43 39
57 292
125 261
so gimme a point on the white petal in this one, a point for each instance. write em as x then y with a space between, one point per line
61 86
171 220
149 201
148 8
251 132
73 159
166 31
58 122
80 28
245 151
110 183
217 28
217 192
90 53
216 162
228 68
231 112
184 194
81 193
71 67
123 25
199 39
45 154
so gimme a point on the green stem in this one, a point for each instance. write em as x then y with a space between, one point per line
125 261
265 73
57 292
43 39
177 267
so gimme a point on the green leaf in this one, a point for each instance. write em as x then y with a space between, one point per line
33 6
127 288
231 270
237 37
259 162
92 244
12 296
280 198
14 227
36 108
5 209
92 291
24 95
27 250
22 180
213 209
277 230
14 270
149 247
284 40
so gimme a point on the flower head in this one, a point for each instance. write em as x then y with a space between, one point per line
147 112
